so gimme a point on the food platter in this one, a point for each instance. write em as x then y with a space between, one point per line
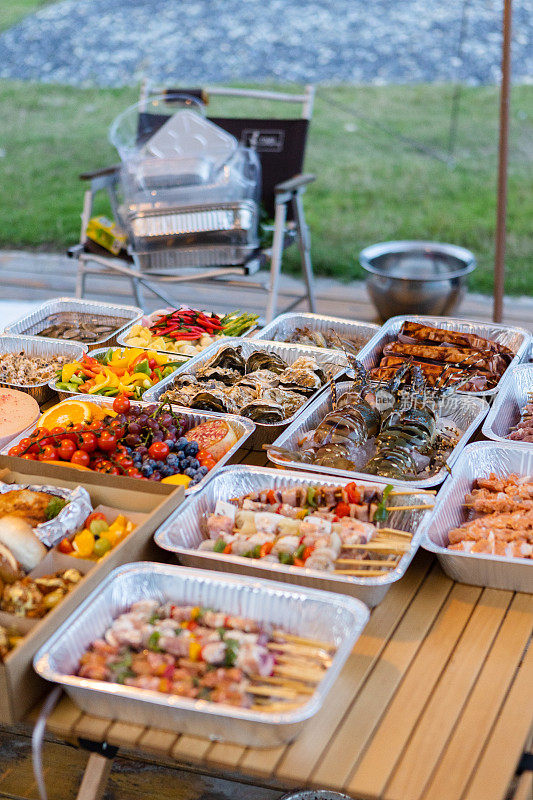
464 412
304 612
478 460
508 404
518 340
284 327
182 533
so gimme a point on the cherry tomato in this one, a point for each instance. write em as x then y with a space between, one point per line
15 451
116 428
47 441
94 515
133 472
28 445
152 363
29 456
206 459
79 427
121 404
81 458
65 546
124 461
48 454
158 451
113 471
88 442
38 432
96 425
66 449
107 442
58 432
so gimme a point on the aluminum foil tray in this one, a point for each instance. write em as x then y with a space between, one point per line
282 326
243 429
195 257
43 348
509 402
264 433
477 460
182 532
517 339
33 323
465 412
331 618
63 395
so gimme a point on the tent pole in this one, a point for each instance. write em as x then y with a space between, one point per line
503 147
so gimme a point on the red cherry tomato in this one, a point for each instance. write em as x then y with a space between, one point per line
158 451
81 458
66 449
48 454
94 515
29 456
39 432
121 404
58 432
28 445
133 472
96 425
65 546
206 459
47 441
113 471
88 442
107 442
124 461
79 427
15 451
152 363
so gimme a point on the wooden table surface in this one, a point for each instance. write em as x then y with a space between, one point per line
434 703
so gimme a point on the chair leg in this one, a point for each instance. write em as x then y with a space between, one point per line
275 260
80 280
137 292
304 243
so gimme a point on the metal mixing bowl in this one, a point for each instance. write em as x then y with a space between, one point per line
416 277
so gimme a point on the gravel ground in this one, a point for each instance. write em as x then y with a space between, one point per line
113 42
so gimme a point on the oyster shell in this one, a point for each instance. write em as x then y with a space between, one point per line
227 357
289 401
212 400
225 374
259 378
261 360
264 412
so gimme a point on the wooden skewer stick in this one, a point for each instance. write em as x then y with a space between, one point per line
382 547
290 637
360 573
308 676
397 493
275 708
300 650
362 562
395 532
409 508
300 663
272 691
302 688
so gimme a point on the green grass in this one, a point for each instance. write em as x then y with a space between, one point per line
12 11
371 186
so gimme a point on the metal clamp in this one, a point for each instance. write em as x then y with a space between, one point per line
100 748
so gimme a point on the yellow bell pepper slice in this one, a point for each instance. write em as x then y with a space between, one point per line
69 370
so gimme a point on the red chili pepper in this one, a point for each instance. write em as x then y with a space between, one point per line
342 509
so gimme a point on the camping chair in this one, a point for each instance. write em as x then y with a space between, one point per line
280 145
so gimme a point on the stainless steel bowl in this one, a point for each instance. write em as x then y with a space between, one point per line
416 277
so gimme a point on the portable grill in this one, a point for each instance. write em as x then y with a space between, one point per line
191 196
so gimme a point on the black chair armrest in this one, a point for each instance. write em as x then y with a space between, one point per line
100 173
297 182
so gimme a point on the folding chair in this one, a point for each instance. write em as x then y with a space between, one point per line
280 145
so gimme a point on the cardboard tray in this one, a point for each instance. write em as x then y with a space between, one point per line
20 687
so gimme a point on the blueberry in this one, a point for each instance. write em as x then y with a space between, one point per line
146 470
202 471
166 471
172 459
191 448
159 465
180 454
185 462
195 480
191 473
181 443
156 476
194 463
170 443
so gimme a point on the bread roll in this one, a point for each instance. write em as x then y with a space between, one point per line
19 537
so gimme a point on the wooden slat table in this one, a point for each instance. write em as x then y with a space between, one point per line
434 703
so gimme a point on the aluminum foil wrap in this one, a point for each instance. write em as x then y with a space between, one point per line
464 412
182 533
477 460
328 360
303 612
508 404
280 329
41 348
68 521
31 324
516 339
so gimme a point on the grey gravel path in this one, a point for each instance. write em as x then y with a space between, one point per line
113 42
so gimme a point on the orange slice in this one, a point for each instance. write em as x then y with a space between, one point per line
74 411
68 464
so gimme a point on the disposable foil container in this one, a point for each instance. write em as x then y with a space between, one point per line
466 413
510 400
41 348
304 612
68 521
182 533
516 339
281 328
63 395
243 429
37 320
477 460
328 360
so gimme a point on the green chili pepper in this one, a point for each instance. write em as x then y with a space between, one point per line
299 551
256 552
286 558
153 642
311 492
381 512
232 650
220 546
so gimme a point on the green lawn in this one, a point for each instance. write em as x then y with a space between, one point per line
12 11
371 186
